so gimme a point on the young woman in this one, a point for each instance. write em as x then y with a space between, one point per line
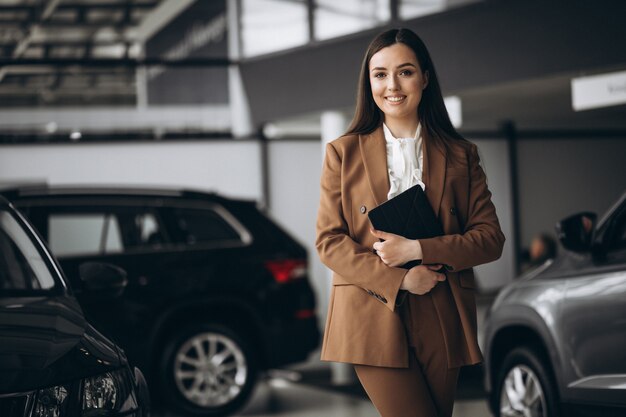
406 331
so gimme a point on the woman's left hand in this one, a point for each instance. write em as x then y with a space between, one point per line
396 250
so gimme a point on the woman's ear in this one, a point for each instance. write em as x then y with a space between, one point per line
426 74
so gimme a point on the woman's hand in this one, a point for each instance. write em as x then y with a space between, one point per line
421 279
396 250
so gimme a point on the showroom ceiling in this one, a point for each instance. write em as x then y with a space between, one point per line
64 52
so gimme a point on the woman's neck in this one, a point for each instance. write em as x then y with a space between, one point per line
402 128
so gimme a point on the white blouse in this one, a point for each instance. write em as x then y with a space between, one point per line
405 161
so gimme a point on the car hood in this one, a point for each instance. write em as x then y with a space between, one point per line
45 341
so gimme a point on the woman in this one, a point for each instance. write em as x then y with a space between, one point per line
406 331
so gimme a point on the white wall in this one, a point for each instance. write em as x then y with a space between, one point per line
229 167
294 174
495 162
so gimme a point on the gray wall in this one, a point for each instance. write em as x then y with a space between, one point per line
559 177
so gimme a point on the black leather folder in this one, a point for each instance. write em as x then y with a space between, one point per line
408 214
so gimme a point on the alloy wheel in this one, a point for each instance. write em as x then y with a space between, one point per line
522 394
210 369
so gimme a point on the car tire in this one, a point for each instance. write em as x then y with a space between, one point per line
525 387
207 369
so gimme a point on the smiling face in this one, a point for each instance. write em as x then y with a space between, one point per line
397 82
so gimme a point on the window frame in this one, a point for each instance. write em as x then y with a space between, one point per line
159 206
60 285
245 237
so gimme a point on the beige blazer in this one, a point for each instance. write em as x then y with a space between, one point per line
362 325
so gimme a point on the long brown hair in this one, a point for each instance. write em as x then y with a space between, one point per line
431 111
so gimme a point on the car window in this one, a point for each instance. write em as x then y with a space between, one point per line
84 234
204 226
141 228
22 266
92 231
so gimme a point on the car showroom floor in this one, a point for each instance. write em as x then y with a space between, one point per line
279 396
305 391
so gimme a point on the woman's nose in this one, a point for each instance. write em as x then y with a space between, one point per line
392 84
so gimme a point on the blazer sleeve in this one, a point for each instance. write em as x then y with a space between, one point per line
354 262
482 240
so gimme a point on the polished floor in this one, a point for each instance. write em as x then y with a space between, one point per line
306 390
278 396
303 393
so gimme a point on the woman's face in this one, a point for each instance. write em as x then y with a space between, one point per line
397 82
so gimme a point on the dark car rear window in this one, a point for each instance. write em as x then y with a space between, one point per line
204 226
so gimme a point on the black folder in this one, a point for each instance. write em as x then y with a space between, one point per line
408 214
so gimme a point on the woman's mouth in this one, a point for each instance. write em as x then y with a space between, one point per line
395 99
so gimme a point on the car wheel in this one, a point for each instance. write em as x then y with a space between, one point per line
524 386
207 370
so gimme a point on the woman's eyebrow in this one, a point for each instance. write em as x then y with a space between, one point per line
406 64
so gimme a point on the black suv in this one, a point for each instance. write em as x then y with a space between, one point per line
216 290
52 362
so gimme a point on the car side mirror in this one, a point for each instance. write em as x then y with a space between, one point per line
576 232
103 278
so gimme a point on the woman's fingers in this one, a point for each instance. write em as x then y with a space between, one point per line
382 235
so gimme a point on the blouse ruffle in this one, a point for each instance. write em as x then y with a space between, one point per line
404 162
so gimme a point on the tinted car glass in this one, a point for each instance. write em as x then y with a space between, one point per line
148 230
618 241
21 265
83 234
85 231
204 226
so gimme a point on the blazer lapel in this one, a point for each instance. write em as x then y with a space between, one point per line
374 155
434 172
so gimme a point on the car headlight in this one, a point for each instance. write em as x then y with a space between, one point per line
51 402
100 395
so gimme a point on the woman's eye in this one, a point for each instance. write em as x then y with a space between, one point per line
406 73
379 75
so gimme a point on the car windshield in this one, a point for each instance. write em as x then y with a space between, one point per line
22 266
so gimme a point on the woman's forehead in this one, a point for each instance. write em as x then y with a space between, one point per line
393 56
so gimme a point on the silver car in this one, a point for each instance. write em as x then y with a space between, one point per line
555 339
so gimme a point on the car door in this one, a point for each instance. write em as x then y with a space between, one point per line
128 235
595 307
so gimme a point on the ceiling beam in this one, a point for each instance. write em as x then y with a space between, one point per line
115 62
23 43
110 5
160 17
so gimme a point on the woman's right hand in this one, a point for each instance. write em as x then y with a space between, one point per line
422 278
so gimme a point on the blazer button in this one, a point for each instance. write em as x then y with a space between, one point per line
363 209
453 211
